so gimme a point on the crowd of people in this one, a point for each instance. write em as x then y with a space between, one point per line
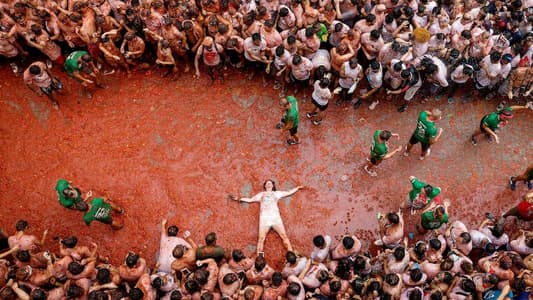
398 46
448 260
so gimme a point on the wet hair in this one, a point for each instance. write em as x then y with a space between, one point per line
75 291
229 278
466 34
519 285
97 295
277 278
359 263
38 294
397 66
467 267
374 65
324 82
497 230
369 18
249 294
256 37
440 36
309 31
192 286
207 296
283 12
415 295
280 50
506 262
357 285
495 56
440 210
392 216
343 269
132 259
21 225
35 70
259 263
468 70
405 74
70 241
468 285
399 253
269 23
296 59
104 39
431 68
176 295
291 39
392 279
374 34
172 230
157 283
465 236
293 289
348 242
490 248
529 242
273 182
136 294
291 257
492 279
374 287
420 249
415 275
237 255
446 264
201 276
178 251
389 18
8 293
435 244
435 295
75 268
103 276
211 238
322 276
319 241
23 255
335 286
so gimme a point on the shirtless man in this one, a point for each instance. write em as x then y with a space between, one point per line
185 257
270 217
261 271
340 55
228 281
168 242
177 40
457 237
350 246
295 264
69 247
23 241
40 79
132 48
112 54
40 39
391 230
195 34
133 268
210 51
277 287
239 262
166 59
144 283
371 44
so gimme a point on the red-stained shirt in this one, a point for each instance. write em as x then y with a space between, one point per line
525 209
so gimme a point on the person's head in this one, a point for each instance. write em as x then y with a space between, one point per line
129 36
529 241
256 38
291 40
178 251
395 46
38 294
399 253
439 212
75 291
415 275
322 276
374 35
136 294
335 286
237 255
176 295
296 59
230 278
338 27
21 225
392 279
392 217
397 67
374 66
506 58
309 32
431 69
405 74
277 279
157 283
495 57
466 34
280 50
342 49
506 262
435 244
69 242
359 263
468 285
23 256
464 238
435 295
35 70
468 70
269 185
211 239
172 230
103 276
352 62
201 276
446 264
370 19
319 241
415 294
519 285
249 294
293 289
467 267
259 263
132 259
324 82
348 242
389 18
420 248
283 12
75 268
192 286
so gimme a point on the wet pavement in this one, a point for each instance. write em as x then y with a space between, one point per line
175 150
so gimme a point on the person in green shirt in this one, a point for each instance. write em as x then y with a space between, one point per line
70 197
102 211
490 123
379 150
425 132
211 249
290 119
79 64
421 195
433 218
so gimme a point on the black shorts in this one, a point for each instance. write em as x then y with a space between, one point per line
375 161
304 82
294 130
320 107
413 140
481 126
56 85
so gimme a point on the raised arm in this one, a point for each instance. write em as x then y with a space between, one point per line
290 192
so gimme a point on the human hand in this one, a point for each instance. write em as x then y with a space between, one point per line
497 139
186 234
510 95
301 187
197 75
164 222
411 177
399 148
89 194
199 263
530 103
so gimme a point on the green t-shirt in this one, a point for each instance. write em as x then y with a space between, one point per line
425 129
493 120
378 150
100 211
71 63
61 185
292 114
322 33
214 252
417 189
429 221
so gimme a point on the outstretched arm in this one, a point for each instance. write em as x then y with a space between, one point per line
291 192
255 198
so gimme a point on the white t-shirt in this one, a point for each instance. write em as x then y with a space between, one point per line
457 75
303 70
249 46
322 58
321 95
478 237
375 80
493 70
283 60
320 255
351 75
